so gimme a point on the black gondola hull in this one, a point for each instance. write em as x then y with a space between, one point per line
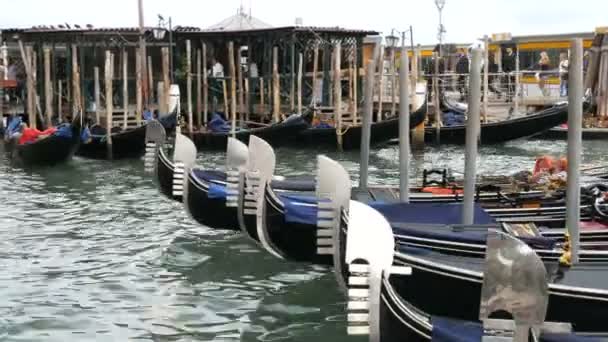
429 288
295 241
127 144
210 212
560 133
276 135
498 132
381 132
49 151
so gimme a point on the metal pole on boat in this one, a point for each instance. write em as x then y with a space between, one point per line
472 135
404 124
575 128
367 122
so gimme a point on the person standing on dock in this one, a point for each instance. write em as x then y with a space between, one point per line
508 66
563 74
462 69
543 64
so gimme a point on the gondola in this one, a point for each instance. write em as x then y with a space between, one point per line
381 132
276 134
55 149
505 130
293 224
377 307
125 143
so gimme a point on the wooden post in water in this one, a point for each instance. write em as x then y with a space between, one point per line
232 86
247 99
486 54
75 82
48 87
338 94
293 76
366 123
226 105
189 85
315 69
472 136
393 84
350 87
262 105
31 111
517 83
404 126
240 92
166 82
109 72
125 89
436 99
139 85
60 101
150 82
199 90
300 62
380 83
205 86
97 95
276 101
575 120
355 113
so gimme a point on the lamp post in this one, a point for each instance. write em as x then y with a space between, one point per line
440 4
159 34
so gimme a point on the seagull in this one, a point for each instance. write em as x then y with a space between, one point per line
161 17
89 26
77 26
61 26
67 25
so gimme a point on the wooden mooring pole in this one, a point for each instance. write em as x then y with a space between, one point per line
166 81
109 72
338 95
232 86
125 89
48 87
199 90
300 62
205 86
97 95
189 85
276 101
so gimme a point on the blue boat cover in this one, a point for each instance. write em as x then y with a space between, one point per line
64 130
299 208
453 119
431 213
85 135
148 115
13 125
217 124
452 330
217 191
478 237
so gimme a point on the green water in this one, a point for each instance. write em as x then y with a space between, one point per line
91 252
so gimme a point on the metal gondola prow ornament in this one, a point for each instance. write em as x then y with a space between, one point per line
155 138
184 156
514 282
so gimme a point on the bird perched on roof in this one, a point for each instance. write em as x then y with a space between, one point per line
77 26
61 26
67 25
89 26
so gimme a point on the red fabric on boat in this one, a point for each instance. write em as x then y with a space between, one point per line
543 164
592 225
442 191
31 134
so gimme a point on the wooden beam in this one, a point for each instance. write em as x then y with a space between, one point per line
199 90
393 83
205 86
76 101
30 88
150 81
240 90
338 95
166 81
60 100
262 105
276 102
300 62
247 99
380 83
232 86
139 101
48 87
97 95
189 85
109 72
125 89
292 76
315 68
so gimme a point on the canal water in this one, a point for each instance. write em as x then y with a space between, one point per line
90 251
